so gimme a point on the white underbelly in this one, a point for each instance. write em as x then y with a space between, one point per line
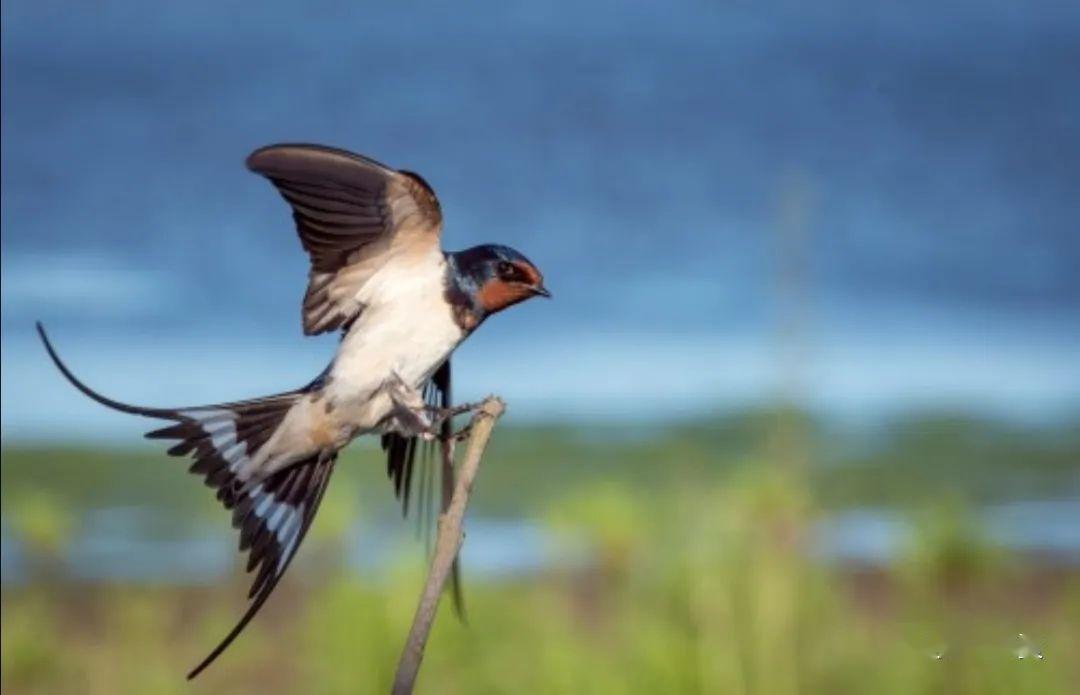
411 353
407 339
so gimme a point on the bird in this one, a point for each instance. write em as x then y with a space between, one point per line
378 274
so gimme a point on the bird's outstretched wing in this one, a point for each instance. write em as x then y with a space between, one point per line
352 214
273 514
401 464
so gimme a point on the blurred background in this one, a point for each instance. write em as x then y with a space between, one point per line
804 415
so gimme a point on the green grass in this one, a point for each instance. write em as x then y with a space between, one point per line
693 572
704 590
910 460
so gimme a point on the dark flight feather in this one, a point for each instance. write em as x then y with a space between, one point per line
273 514
401 460
349 211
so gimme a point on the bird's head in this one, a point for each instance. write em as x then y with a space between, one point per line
497 277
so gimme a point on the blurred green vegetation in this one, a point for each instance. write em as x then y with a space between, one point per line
694 572
910 460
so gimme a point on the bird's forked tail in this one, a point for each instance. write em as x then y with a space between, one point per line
272 512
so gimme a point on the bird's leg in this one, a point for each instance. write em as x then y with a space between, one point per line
409 414
439 416
412 417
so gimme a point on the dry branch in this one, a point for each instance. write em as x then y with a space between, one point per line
447 545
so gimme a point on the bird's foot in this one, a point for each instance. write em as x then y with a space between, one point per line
439 416
462 434
419 424
409 414
412 417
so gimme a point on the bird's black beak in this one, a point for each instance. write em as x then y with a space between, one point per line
541 291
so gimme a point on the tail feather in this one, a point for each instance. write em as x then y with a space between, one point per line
94 395
272 513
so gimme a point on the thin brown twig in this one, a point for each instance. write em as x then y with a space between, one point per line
447 545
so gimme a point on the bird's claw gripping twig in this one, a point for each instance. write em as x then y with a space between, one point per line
424 420
447 544
440 415
462 434
453 411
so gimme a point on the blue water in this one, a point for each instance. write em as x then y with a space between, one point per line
872 208
135 544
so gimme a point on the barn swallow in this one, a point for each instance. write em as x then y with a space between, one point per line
379 275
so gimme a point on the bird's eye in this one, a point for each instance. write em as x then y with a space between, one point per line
507 271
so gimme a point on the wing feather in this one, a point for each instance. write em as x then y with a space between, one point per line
352 215
401 460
